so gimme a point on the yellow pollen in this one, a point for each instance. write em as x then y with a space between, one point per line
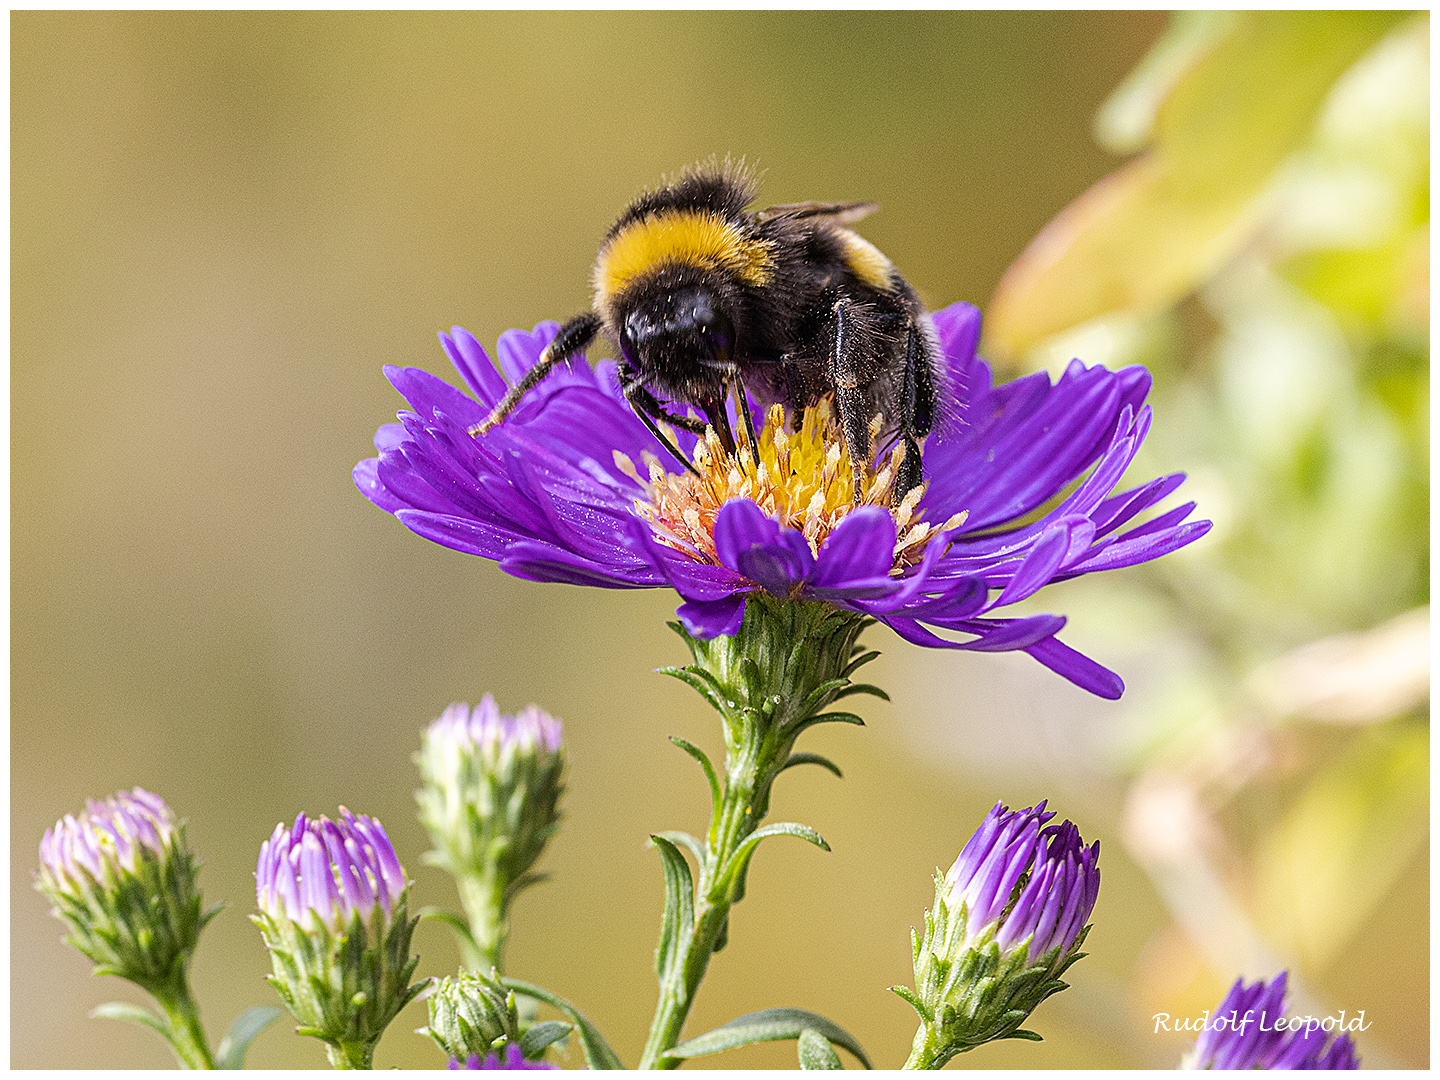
802 479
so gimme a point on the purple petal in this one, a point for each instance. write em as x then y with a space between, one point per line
1078 668
705 619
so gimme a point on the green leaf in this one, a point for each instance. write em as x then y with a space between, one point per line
780 828
598 1054
455 922
231 1052
678 921
542 1035
684 839
716 795
767 1025
136 1014
1022 1033
816 1052
812 759
1150 232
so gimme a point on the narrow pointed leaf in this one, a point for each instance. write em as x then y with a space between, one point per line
542 1035
716 796
231 1052
678 921
598 1054
816 1052
684 839
812 759
767 1025
450 919
136 1014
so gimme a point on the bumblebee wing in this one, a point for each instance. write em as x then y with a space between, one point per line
839 213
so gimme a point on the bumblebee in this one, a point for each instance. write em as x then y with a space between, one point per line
705 301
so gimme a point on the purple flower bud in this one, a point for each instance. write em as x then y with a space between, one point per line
1009 919
1246 1032
323 872
121 876
490 802
108 839
1060 876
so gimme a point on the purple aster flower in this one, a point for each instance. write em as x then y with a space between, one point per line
1250 1031
1008 921
490 802
555 494
509 1058
334 914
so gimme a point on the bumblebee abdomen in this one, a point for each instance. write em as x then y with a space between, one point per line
867 262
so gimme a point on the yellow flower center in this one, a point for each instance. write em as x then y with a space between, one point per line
802 478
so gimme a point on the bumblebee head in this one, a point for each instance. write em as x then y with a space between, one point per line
679 334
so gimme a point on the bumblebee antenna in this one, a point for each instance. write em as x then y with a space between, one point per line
574 337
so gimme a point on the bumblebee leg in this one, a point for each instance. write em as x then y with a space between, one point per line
917 408
850 399
742 408
648 410
714 410
574 337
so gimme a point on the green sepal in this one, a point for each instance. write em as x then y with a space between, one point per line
598 1054
830 718
541 1035
703 683
678 920
767 1025
863 688
812 759
231 1052
915 1003
860 661
816 1052
1028 1036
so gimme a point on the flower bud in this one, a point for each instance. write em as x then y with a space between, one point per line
1009 919
472 1014
1247 1031
489 802
121 876
334 915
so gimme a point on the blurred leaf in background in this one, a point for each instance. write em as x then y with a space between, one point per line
1266 254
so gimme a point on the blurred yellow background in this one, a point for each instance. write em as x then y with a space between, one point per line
222 226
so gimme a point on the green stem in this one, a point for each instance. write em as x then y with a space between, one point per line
484 903
351 1055
767 675
182 1016
926 1053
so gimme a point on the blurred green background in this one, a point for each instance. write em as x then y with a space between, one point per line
222 225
